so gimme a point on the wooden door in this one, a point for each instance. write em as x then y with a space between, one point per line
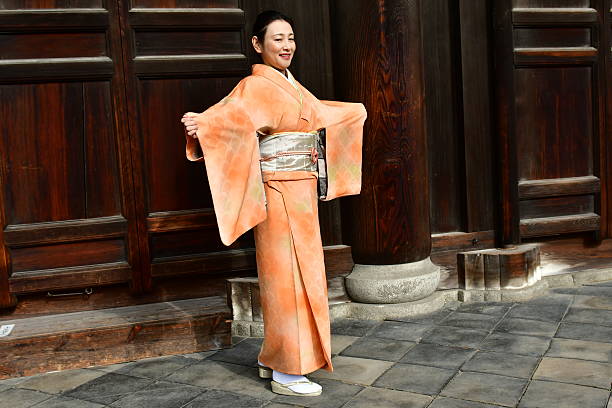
179 58
66 202
551 61
185 55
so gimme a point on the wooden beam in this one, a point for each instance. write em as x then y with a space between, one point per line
101 337
64 231
559 187
537 227
534 15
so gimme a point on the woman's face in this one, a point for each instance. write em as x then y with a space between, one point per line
278 46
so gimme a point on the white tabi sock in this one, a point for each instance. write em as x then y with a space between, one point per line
305 388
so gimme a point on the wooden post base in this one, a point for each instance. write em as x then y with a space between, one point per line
495 269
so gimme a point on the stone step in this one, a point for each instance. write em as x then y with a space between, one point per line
109 336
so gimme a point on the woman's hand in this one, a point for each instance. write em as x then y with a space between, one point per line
191 128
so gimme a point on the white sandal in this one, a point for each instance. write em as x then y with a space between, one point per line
284 389
265 372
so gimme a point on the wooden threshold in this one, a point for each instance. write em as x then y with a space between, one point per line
109 336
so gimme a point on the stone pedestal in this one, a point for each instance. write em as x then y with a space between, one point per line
388 284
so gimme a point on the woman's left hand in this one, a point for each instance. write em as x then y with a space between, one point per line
191 127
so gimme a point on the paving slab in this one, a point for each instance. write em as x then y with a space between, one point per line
401 331
244 353
510 365
527 327
224 376
353 327
428 318
224 399
544 394
160 395
59 382
200 355
443 402
436 355
455 336
108 388
354 370
581 350
516 344
588 332
486 388
489 308
471 321
587 290
339 342
579 372
592 302
592 316
335 395
59 401
155 368
378 348
380 397
415 378
22 398
547 312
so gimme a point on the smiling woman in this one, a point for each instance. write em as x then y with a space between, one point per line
274 40
270 182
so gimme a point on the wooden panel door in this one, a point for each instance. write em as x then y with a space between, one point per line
551 90
179 58
66 210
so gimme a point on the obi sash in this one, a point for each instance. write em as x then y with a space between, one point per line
295 151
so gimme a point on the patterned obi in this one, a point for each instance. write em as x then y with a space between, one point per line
290 151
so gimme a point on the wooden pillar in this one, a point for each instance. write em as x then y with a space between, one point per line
378 61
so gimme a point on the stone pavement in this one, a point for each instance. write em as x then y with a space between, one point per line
554 351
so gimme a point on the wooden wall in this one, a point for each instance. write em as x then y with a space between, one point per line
95 189
517 94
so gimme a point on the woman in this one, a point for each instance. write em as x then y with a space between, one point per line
261 145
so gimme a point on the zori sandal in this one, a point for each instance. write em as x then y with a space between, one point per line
301 388
265 372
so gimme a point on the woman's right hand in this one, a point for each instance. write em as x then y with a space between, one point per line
191 128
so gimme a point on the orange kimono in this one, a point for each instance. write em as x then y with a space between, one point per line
281 205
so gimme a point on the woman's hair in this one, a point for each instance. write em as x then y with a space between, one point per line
264 19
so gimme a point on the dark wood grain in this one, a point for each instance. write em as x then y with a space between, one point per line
53 19
42 344
65 255
475 34
559 187
463 240
65 45
546 15
538 37
508 219
179 18
184 3
50 4
442 77
606 111
559 225
383 71
64 231
65 279
557 206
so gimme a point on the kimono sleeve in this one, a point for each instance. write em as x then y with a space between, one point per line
227 137
343 123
